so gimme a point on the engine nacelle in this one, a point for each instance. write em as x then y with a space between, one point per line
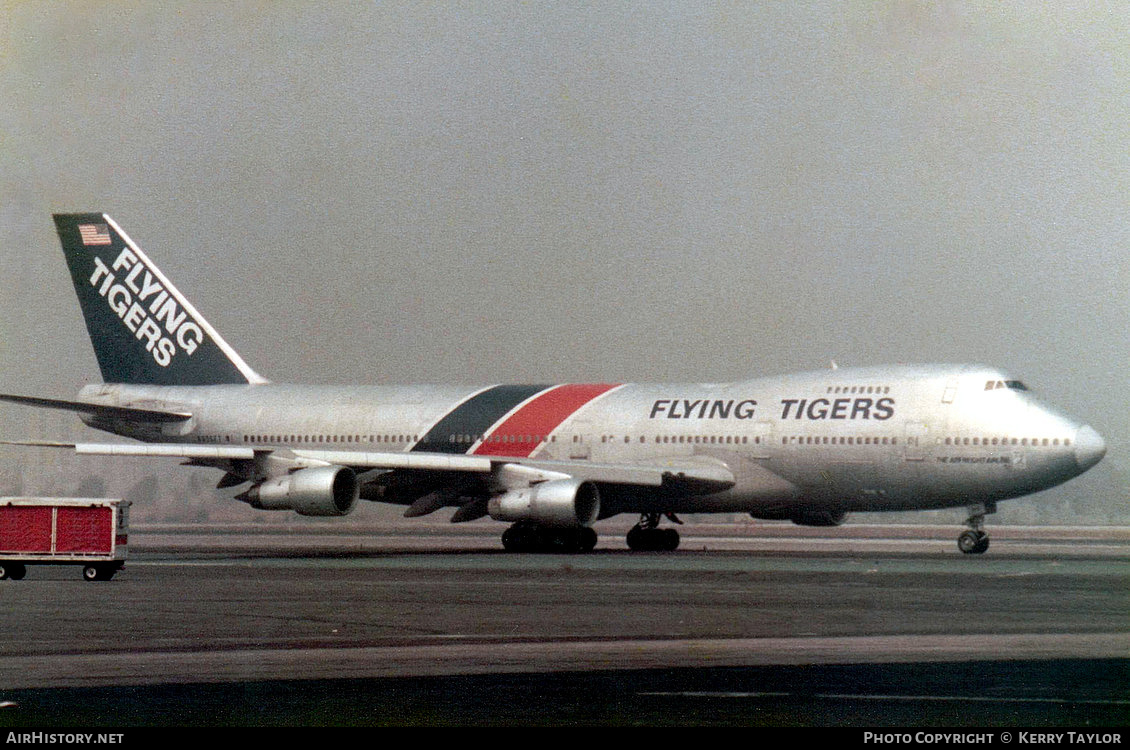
562 503
321 491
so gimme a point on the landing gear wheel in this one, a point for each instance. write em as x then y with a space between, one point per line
588 539
670 540
644 538
528 537
521 537
637 539
973 542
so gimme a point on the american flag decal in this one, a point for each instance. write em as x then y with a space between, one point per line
94 234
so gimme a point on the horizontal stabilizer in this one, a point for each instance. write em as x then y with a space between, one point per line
101 410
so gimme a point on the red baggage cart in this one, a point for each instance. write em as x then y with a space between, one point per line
92 532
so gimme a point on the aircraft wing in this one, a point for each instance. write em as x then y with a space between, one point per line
692 475
688 474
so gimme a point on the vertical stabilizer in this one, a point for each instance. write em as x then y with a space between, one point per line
143 330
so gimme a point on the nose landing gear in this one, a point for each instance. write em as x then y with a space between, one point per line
975 541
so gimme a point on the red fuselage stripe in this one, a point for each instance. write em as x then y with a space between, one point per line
524 430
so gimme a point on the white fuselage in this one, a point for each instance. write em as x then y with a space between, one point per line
867 439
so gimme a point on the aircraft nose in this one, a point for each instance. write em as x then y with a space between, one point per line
1089 447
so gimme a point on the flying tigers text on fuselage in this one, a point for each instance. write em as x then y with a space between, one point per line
815 409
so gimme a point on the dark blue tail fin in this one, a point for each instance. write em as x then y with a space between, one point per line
143 330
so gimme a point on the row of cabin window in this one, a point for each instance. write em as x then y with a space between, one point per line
693 439
826 440
329 438
1008 441
471 439
884 389
697 439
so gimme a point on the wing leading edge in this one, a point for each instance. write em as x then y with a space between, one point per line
692 476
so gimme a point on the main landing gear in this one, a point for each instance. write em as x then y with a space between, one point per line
525 536
646 536
975 541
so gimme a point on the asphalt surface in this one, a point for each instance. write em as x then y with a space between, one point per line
868 626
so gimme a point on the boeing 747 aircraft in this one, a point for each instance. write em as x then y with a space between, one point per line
553 459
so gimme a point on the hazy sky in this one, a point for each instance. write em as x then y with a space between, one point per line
491 192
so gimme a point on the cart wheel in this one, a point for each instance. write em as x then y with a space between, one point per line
4 571
99 572
17 571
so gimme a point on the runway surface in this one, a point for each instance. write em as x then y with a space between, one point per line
394 625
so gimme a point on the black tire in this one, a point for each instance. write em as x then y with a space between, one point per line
973 542
5 571
588 539
91 573
669 540
17 571
522 538
637 539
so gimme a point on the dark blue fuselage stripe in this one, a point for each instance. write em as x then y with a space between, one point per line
475 416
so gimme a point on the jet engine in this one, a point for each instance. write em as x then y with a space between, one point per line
561 503
321 491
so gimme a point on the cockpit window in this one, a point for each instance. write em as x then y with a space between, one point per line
1014 385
